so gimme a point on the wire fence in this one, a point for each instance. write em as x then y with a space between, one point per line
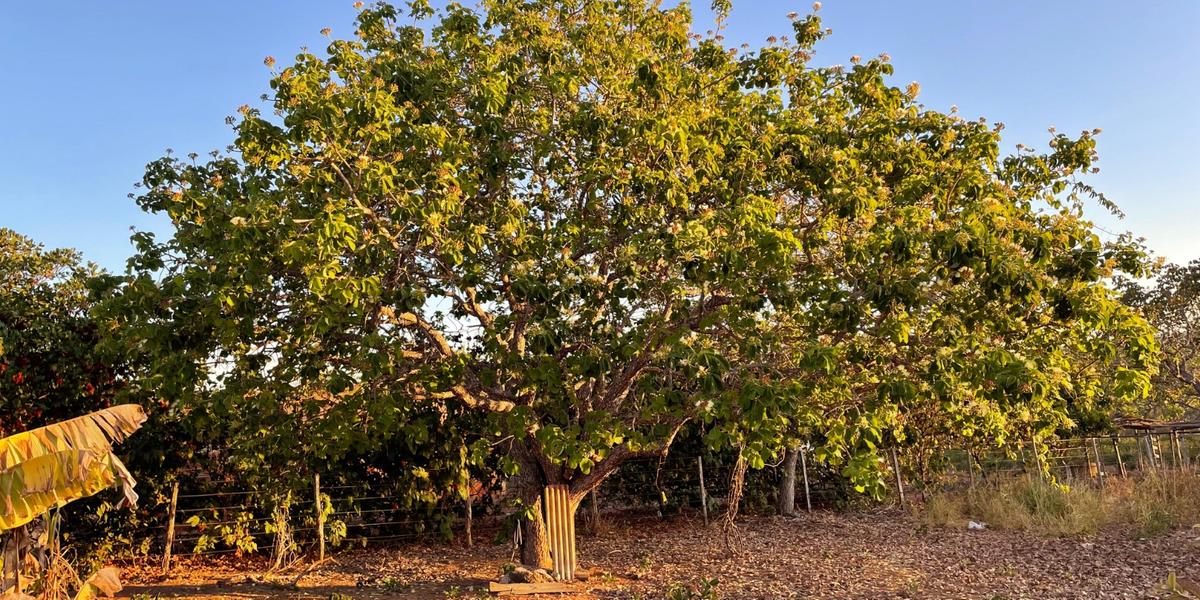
1082 459
226 520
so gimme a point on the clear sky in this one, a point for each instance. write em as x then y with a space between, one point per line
95 90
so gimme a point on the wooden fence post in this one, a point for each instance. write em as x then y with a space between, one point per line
804 470
1099 463
1120 461
320 517
470 515
899 480
594 508
703 492
166 564
970 466
1037 458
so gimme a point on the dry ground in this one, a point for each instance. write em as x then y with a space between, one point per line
826 555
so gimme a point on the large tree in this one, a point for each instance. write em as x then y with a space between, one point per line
590 226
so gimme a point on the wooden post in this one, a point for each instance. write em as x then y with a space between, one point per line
899 480
320 517
970 466
1178 450
594 508
166 563
804 469
1099 463
1120 461
703 492
470 515
1037 458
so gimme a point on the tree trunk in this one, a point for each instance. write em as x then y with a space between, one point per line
536 472
535 541
786 504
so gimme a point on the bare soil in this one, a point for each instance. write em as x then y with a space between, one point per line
825 555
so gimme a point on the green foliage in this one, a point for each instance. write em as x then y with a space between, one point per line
571 228
1172 305
231 531
50 368
706 589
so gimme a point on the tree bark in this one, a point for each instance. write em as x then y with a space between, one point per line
786 504
535 543
531 479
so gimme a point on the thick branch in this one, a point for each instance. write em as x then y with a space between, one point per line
580 486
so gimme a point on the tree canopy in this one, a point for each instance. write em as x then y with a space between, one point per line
570 228
1171 302
50 366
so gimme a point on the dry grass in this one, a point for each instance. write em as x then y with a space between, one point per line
1145 506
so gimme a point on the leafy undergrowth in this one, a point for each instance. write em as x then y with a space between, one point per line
1145 506
824 556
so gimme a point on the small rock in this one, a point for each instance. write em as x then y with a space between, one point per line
976 526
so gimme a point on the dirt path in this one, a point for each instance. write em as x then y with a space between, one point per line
826 555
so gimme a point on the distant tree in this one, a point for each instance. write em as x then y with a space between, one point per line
50 366
567 229
1171 302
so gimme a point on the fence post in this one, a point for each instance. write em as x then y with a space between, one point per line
470 515
970 465
1120 461
1099 463
166 564
804 469
594 507
1037 458
899 480
703 493
320 517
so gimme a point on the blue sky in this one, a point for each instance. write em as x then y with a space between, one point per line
95 90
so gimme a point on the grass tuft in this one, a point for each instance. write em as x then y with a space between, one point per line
1145 506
